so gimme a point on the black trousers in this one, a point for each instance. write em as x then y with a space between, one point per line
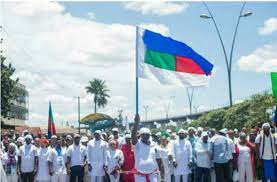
202 174
222 172
76 172
27 177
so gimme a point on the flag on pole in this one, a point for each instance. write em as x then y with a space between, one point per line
51 125
274 85
169 61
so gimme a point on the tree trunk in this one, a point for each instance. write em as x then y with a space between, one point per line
95 104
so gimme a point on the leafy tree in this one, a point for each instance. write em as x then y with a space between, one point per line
8 87
99 89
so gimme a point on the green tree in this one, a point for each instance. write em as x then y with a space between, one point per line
8 87
99 89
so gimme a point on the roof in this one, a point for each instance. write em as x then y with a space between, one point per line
60 129
33 130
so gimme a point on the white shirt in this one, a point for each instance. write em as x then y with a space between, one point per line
114 158
231 148
203 158
58 161
267 146
27 154
182 155
78 154
97 156
165 152
146 157
43 169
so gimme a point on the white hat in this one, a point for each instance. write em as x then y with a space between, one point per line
191 128
266 125
205 134
181 131
222 131
104 133
200 129
128 135
68 137
54 136
29 137
169 130
76 135
84 139
144 131
115 129
20 139
98 132
158 134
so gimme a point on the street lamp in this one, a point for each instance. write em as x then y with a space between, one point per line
228 62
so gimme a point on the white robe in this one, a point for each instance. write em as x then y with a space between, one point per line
166 163
244 164
43 168
97 156
182 155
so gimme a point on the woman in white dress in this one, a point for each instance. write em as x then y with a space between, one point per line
166 156
115 159
43 170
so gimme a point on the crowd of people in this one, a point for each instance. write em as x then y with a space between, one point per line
192 155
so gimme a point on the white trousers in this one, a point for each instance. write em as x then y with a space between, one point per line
12 178
113 179
96 178
152 178
184 177
245 169
58 178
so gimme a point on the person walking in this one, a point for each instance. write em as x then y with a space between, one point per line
182 157
43 168
166 156
76 160
203 160
57 163
129 160
10 160
97 157
27 160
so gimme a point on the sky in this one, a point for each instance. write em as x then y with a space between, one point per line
58 47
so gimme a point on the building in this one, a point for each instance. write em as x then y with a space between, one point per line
19 110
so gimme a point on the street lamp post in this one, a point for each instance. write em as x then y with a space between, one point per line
78 97
228 62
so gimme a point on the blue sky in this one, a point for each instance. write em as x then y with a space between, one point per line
255 40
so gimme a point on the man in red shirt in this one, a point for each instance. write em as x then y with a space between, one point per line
129 160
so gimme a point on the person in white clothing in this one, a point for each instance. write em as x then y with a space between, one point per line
97 157
76 160
43 169
116 136
27 160
182 157
166 157
115 159
10 163
57 163
244 159
203 159
147 159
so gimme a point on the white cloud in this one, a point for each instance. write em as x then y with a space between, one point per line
55 55
158 8
269 27
91 15
263 59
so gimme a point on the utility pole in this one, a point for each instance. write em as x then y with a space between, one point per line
146 107
190 96
78 97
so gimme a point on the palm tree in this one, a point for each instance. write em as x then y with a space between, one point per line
99 88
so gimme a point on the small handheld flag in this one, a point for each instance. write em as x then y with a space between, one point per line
51 125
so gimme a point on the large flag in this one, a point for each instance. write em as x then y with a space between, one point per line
169 61
51 125
274 85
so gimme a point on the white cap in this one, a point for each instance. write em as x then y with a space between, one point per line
236 130
115 129
222 131
20 139
84 139
54 136
266 125
200 129
205 134
144 131
181 131
98 132
191 128
29 137
169 130
158 134
68 137
128 135
76 135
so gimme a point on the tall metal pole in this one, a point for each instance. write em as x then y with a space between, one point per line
146 107
228 62
79 114
137 34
